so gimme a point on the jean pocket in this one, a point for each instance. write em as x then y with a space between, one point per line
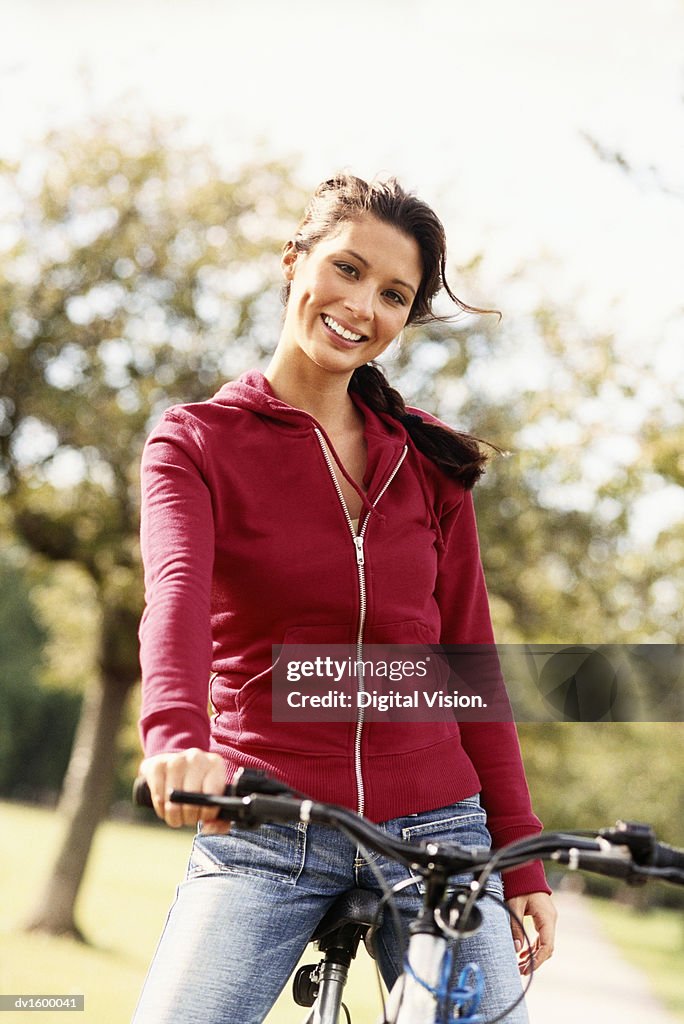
463 823
270 851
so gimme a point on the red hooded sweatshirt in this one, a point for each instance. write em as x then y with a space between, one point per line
247 543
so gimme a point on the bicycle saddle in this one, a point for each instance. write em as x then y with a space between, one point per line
353 910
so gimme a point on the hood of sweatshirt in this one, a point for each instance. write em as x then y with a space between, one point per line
385 435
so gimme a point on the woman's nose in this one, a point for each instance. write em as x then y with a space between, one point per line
359 302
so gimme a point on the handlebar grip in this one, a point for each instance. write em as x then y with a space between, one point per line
640 839
142 797
596 861
666 856
245 781
141 793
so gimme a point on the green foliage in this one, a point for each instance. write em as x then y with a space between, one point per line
20 657
584 443
133 263
65 600
36 725
586 774
21 633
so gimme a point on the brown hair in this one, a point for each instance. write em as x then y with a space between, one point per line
346 197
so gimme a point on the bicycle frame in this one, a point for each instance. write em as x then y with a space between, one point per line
410 1001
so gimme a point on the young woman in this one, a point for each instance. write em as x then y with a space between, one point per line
258 506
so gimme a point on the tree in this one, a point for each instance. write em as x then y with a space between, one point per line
37 722
549 561
585 442
20 659
124 280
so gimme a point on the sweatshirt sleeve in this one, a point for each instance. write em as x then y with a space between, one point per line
177 539
492 747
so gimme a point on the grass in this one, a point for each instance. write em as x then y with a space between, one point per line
130 882
131 877
653 940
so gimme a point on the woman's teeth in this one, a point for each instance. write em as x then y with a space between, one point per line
338 329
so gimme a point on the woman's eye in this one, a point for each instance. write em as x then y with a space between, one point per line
396 297
346 268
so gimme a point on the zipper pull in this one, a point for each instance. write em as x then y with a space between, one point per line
358 544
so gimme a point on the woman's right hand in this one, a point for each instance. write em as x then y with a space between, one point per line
192 769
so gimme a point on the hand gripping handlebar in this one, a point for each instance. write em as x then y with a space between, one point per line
244 782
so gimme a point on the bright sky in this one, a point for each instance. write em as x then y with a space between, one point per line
481 107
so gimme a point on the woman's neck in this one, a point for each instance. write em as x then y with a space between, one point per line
307 386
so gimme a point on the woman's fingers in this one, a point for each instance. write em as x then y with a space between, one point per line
539 906
214 782
192 769
153 770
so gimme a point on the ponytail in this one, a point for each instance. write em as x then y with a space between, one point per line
458 455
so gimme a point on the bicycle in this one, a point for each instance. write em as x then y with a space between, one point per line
425 993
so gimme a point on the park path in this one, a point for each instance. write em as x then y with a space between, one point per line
587 981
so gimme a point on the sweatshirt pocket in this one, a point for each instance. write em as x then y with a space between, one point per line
405 631
298 672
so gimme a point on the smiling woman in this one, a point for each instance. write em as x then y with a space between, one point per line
350 296
308 505
374 257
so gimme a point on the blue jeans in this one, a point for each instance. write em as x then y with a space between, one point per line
252 899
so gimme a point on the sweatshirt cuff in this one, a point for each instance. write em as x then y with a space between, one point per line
528 877
174 730
524 880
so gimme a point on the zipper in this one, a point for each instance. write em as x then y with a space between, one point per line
358 539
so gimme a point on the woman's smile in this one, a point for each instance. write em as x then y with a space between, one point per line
342 331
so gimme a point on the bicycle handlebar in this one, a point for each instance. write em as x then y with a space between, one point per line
628 850
245 781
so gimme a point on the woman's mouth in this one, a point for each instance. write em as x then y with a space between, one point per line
342 332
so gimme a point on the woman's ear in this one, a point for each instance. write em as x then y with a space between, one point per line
288 260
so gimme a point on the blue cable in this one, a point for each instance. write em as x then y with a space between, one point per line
473 992
466 995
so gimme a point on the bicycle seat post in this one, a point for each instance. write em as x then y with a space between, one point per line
332 978
338 936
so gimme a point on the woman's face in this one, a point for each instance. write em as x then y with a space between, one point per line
351 295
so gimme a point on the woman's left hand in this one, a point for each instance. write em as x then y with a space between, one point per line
539 906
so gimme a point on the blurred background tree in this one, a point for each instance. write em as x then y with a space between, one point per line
139 275
30 751
134 260
593 440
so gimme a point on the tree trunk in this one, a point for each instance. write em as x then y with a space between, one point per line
84 802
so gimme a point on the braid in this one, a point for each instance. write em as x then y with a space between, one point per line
457 454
